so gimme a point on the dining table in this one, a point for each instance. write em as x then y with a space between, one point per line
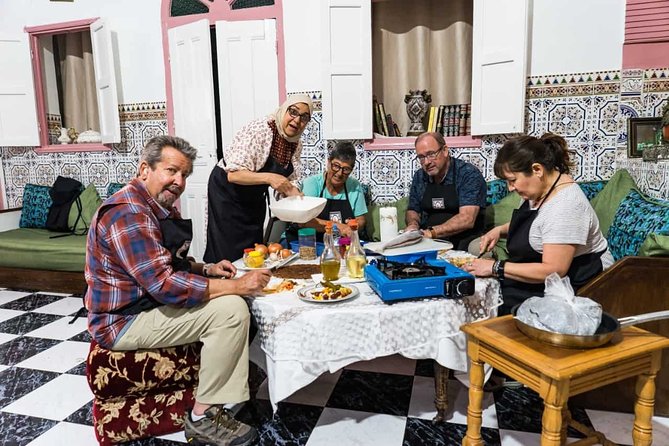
298 340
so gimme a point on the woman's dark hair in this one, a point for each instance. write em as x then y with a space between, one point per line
343 151
518 154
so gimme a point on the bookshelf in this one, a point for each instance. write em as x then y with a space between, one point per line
380 142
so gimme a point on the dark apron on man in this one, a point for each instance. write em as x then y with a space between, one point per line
177 236
237 213
582 269
441 203
339 211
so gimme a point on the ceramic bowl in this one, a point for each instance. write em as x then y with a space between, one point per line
298 209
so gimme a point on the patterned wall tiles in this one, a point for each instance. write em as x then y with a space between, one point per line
138 121
590 109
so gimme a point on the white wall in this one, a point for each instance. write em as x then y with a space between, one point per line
576 36
302 34
135 26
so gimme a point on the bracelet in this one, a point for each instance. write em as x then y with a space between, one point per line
433 233
205 269
499 272
493 271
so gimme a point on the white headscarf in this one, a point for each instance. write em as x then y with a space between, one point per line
281 112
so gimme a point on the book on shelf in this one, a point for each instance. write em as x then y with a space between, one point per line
439 119
384 123
455 120
397 129
391 125
378 127
462 119
430 121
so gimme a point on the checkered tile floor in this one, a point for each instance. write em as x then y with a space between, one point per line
45 400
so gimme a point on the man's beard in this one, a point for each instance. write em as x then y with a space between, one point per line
167 198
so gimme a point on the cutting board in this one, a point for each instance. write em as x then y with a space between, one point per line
426 244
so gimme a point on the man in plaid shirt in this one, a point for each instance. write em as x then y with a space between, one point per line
144 293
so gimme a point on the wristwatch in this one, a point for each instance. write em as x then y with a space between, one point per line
205 269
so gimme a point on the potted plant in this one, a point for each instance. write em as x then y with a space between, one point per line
665 121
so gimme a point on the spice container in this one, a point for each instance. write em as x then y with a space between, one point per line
307 243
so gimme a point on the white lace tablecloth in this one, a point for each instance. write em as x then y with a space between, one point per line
298 341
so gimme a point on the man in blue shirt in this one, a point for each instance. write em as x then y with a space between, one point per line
447 196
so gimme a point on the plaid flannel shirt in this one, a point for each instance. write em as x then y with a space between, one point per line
125 260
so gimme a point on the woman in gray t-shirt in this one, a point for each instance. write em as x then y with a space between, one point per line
554 230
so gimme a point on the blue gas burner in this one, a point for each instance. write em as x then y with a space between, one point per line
397 281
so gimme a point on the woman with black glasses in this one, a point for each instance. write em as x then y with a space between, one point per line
344 194
265 152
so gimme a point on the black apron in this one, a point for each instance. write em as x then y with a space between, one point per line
582 269
177 235
441 203
334 210
236 213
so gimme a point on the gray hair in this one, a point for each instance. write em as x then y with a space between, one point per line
153 149
438 137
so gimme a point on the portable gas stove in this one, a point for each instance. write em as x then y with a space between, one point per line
396 281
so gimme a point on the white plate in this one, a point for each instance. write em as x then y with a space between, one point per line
305 294
269 264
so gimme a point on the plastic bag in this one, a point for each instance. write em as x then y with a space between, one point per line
560 311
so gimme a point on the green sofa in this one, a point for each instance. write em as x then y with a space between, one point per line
32 259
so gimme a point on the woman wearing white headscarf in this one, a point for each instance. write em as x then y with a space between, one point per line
265 152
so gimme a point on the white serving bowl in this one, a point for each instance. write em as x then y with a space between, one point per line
298 209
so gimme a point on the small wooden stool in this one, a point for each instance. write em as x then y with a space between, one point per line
557 373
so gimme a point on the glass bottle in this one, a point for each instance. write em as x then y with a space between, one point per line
355 256
330 259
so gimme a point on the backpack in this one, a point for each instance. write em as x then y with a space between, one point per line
64 193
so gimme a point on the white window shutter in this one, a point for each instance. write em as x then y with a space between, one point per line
248 75
194 117
499 66
193 84
18 111
105 82
347 69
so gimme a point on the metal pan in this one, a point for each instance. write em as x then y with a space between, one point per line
608 327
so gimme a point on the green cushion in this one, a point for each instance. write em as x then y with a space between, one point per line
607 201
499 214
372 224
90 202
33 248
655 245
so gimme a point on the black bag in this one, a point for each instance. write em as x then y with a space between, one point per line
64 193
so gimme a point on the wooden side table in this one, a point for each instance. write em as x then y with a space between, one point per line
557 373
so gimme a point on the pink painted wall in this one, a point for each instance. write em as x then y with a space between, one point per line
646 34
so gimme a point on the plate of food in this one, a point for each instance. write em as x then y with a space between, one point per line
277 285
253 261
327 292
457 258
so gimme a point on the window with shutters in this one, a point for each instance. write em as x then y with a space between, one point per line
75 86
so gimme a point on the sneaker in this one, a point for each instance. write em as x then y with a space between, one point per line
218 428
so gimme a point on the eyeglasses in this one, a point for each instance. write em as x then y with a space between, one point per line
337 167
294 113
428 156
